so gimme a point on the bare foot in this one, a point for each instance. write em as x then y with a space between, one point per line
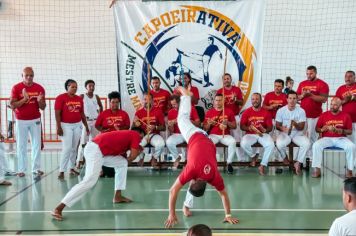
154 162
261 170
121 200
176 162
21 174
5 183
74 172
298 171
348 174
186 211
57 215
286 161
61 176
316 173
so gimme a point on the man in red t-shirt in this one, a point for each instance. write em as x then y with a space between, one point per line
276 99
106 149
312 93
347 94
233 101
217 123
201 166
28 98
176 137
160 96
333 126
151 120
257 123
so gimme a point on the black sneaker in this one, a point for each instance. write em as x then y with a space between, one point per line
230 169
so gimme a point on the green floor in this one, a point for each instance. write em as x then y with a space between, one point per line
272 204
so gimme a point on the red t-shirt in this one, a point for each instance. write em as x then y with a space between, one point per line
230 94
273 98
261 118
118 142
161 99
29 110
342 120
218 116
107 120
312 108
155 117
173 114
201 162
349 107
71 107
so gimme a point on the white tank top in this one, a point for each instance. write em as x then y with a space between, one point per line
91 107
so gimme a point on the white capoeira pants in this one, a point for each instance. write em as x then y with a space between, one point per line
266 141
187 129
228 141
23 127
156 141
237 134
3 165
94 161
172 142
85 138
352 137
283 140
70 141
311 133
340 142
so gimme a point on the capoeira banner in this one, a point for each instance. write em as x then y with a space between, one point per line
194 37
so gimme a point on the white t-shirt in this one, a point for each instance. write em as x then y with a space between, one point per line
344 225
285 116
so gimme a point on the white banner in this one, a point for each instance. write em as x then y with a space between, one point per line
176 37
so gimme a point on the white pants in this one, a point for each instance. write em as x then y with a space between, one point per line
85 138
156 141
352 137
302 141
311 133
342 142
227 140
70 140
266 141
237 134
3 165
172 142
23 127
94 161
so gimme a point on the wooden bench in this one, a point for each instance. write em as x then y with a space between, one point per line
236 163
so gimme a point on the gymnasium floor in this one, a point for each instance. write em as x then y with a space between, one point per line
274 204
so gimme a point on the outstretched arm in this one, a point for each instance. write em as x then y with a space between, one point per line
173 194
226 203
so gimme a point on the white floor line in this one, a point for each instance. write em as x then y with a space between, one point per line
166 210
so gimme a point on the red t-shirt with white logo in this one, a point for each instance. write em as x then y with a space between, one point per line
349 107
201 162
29 110
219 117
118 142
70 107
312 108
272 98
161 99
155 117
342 120
231 94
108 120
260 118
173 114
